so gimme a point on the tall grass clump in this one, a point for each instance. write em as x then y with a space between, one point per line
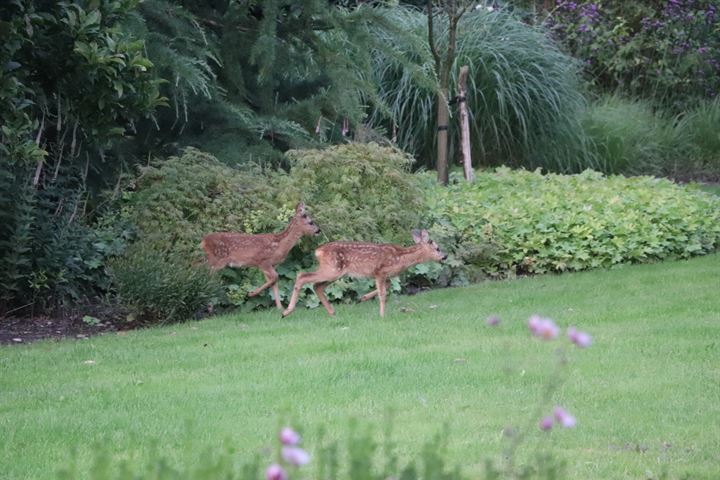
700 128
526 96
628 137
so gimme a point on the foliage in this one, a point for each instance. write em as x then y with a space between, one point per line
698 127
667 51
554 223
71 84
162 287
525 101
359 191
300 80
356 191
628 137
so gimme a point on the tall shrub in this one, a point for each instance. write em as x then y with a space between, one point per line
72 84
666 51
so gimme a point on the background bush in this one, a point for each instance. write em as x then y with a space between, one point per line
667 52
553 223
506 223
354 192
162 287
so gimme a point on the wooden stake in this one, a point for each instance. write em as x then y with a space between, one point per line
465 124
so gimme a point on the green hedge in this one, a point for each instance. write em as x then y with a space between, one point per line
533 223
354 192
506 223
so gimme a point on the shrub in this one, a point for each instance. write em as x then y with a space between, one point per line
162 287
665 51
552 223
175 202
357 191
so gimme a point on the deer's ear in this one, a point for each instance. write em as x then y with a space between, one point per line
425 236
417 236
300 208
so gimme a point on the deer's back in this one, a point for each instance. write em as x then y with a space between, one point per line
236 249
356 258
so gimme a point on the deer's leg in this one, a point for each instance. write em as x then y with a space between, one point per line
381 285
319 288
368 296
276 292
270 275
302 279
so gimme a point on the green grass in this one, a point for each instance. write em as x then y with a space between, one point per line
646 394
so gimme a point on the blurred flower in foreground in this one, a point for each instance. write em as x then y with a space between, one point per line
288 436
295 456
544 328
546 423
581 339
493 320
275 472
564 418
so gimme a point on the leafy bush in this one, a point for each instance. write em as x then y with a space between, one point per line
71 83
552 223
162 287
665 51
357 191
175 202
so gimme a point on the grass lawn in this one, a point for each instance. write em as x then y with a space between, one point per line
646 394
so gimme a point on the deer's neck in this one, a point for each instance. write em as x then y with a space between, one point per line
410 256
289 237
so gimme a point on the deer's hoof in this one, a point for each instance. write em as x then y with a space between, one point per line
285 313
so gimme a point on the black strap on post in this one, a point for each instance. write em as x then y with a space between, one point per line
442 127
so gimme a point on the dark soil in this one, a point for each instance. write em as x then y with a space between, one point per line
25 329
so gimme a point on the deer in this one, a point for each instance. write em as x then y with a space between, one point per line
380 261
264 250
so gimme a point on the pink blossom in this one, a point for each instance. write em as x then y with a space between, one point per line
581 339
546 423
288 436
564 418
275 472
295 456
493 320
544 328
534 324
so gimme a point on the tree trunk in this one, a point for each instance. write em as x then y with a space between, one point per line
465 124
443 117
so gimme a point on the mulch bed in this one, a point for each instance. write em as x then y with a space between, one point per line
18 330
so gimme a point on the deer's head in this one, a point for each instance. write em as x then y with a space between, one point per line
430 248
307 226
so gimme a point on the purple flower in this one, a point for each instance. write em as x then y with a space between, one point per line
581 339
563 417
546 423
288 436
544 328
295 456
493 320
275 472
584 28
